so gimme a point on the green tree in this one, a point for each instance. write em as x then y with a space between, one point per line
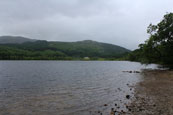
159 47
160 44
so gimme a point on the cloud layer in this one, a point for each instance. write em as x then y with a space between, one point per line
121 22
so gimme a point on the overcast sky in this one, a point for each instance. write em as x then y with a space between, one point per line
120 22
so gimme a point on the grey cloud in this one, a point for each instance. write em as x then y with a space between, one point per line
121 22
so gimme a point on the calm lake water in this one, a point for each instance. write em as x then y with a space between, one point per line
65 87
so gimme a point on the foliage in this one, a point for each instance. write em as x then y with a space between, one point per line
159 47
43 50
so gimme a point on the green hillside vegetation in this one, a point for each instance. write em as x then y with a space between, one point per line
44 50
159 47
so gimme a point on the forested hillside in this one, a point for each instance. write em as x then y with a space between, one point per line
44 50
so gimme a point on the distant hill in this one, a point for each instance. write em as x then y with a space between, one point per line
89 48
29 49
14 40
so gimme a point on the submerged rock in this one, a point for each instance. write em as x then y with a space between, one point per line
105 104
128 96
132 71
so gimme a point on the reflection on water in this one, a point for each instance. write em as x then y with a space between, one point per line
64 87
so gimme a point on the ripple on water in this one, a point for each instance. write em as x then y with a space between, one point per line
65 87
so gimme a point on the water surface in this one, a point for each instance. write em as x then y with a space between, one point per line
65 87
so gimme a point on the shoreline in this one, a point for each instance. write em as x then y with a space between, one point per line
153 95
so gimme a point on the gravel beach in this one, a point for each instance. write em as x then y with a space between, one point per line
154 94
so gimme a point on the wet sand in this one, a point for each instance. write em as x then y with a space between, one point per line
154 94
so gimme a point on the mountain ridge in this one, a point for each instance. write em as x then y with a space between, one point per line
15 39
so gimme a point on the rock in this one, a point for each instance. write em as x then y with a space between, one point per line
128 96
136 72
119 89
112 111
105 104
140 109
